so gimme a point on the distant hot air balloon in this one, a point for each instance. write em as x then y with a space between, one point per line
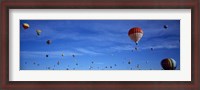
168 64
138 66
25 26
77 64
38 32
136 48
62 54
165 26
110 66
147 62
129 62
58 63
47 55
48 42
73 55
151 49
135 34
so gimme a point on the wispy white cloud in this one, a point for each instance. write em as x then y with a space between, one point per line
86 51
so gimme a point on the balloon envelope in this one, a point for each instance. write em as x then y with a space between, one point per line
26 26
165 26
48 42
38 32
168 64
58 63
135 34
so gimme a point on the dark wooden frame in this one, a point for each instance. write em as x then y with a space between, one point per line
99 4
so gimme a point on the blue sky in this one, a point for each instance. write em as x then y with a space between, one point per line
104 42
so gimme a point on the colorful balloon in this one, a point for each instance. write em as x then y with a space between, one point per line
165 26
136 48
138 66
129 62
58 63
25 26
168 64
48 42
38 32
135 34
151 49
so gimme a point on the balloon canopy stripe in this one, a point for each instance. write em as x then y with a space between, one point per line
135 30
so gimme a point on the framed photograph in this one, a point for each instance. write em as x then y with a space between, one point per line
144 45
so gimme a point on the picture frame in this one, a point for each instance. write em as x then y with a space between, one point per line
103 4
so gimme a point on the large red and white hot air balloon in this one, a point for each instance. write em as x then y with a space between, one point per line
135 34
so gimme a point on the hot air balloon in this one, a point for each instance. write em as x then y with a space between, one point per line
47 55
138 66
38 32
48 42
165 26
151 49
168 64
135 34
25 26
147 62
58 63
73 55
77 64
62 54
129 62
136 48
